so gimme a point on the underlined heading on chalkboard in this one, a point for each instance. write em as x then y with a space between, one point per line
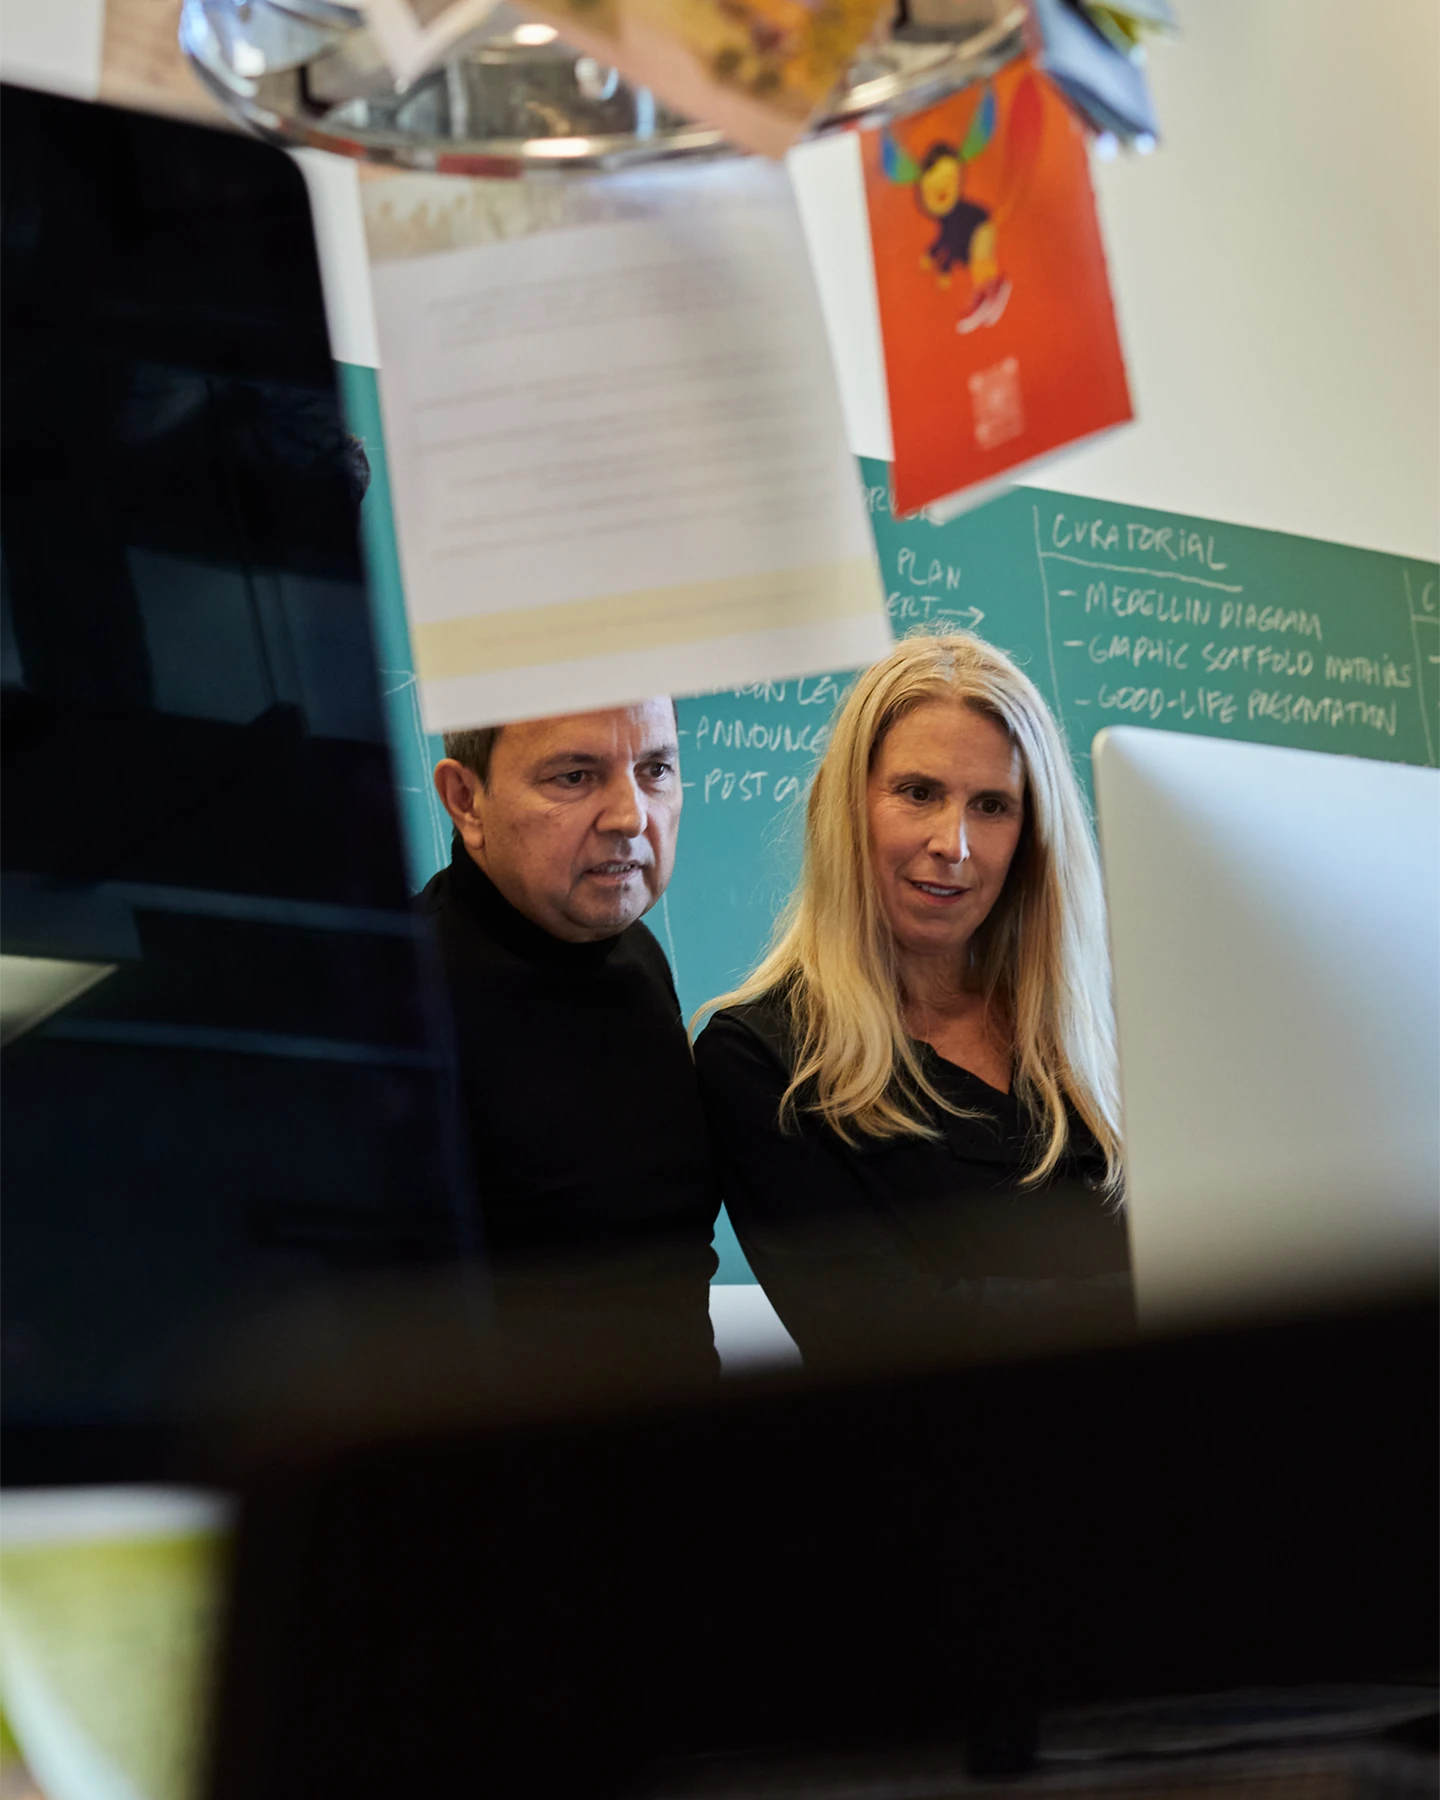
1232 651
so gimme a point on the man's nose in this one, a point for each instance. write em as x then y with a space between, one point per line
623 813
949 841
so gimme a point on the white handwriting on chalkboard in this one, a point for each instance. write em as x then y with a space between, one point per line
736 734
739 719
1171 541
1137 650
823 691
813 690
1371 670
1139 628
748 784
1170 608
931 609
1212 704
1302 709
1149 603
1241 615
937 572
1259 658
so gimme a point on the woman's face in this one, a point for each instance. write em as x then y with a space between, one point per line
946 802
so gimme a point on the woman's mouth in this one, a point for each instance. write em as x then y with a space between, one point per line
939 891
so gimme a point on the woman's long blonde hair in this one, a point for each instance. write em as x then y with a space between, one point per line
1040 957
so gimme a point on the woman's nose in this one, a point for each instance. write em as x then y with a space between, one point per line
949 841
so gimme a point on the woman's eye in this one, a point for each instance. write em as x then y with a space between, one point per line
992 806
917 792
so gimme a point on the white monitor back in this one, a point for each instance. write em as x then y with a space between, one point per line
1275 932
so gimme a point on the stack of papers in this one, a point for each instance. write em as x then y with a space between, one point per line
1095 56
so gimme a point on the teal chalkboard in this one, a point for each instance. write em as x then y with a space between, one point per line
424 826
1118 613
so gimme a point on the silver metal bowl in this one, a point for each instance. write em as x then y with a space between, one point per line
309 72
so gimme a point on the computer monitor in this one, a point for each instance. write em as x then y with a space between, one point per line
227 1079
1275 934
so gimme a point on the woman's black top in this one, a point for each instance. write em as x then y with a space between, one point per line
900 1244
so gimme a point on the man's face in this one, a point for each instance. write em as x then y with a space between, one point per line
576 826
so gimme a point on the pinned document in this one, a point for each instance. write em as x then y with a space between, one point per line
616 450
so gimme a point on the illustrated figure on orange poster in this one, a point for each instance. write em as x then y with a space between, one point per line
967 231
770 33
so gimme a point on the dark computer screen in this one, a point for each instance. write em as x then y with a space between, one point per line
226 1076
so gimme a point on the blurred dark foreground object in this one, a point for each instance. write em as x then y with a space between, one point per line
1373 1766
240 1086
532 1590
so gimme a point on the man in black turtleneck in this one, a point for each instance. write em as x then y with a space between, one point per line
591 1162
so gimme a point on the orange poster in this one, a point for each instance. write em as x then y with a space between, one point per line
999 333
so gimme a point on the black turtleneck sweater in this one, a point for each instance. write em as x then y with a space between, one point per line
579 1088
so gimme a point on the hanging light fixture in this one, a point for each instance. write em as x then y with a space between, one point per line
516 100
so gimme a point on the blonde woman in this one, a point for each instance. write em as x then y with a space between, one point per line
913 1097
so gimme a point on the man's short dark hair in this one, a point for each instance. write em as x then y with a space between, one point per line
473 749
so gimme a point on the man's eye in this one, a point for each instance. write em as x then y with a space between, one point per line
571 778
659 771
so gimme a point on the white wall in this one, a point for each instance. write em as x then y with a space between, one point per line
1277 267
53 44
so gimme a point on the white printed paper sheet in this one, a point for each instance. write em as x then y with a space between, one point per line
617 455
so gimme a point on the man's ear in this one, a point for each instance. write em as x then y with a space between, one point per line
461 794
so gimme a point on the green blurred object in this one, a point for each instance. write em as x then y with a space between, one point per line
1131 24
1155 18
110 1606
16 1782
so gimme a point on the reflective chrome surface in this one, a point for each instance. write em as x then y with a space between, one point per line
309 72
